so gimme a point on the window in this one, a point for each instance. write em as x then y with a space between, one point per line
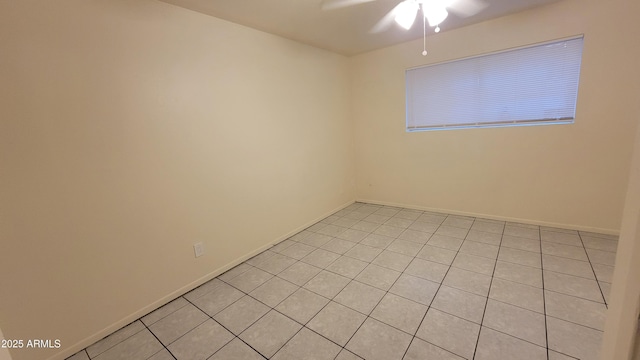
534 85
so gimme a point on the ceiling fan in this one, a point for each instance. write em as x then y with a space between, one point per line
434 12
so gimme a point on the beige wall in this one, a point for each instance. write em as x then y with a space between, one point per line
565 175
4 353
130 130
621 328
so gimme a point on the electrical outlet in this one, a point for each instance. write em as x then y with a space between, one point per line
198 249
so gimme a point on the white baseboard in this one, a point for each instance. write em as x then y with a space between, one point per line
70 350
495 217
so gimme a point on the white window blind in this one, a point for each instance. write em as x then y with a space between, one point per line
526 86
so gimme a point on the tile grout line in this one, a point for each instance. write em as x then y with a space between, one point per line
274 308
572 296
544 298
304 326
343 347
490 283
161 343
299 287
330 300
386 292
232 303
211 317
594 272
224 327
116 344
352 279
436 294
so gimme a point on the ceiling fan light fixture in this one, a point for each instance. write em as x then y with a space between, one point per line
434 13
406 13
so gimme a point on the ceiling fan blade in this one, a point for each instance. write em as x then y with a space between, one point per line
466 8
386 21
338 4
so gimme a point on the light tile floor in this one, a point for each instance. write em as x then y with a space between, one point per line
384 283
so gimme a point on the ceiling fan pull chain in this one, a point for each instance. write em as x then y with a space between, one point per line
424 36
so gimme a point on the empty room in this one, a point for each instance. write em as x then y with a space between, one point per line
319 179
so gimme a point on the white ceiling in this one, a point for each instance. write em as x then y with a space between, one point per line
345 30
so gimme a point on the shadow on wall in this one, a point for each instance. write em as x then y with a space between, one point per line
4 353
637 347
